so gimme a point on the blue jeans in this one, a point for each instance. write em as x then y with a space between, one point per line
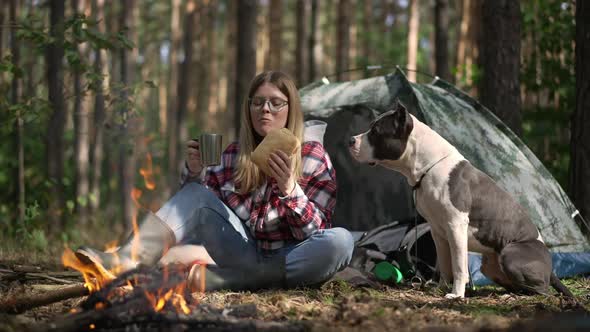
197 216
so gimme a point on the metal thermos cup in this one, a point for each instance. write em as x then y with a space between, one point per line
210 146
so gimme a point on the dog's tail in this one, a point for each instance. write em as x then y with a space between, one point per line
560 287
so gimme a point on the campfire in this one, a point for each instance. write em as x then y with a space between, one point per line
149 298
153 299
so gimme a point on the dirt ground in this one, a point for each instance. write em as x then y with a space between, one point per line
338 306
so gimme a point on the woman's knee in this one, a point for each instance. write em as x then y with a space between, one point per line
324 254
338 245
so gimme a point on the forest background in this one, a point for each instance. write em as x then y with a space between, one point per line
98 97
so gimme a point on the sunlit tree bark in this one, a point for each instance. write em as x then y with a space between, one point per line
214 122
97 149
413 30
185 67
81 112
468 45
127 157
172 116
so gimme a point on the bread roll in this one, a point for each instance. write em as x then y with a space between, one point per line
278 139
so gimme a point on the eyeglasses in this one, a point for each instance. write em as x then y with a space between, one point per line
275 105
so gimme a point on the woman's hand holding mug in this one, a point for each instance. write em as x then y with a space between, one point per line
193 158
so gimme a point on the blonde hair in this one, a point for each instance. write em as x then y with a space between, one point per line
247 175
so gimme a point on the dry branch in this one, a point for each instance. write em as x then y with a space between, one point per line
16 305
26 274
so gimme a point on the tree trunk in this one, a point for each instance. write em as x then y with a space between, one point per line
275 41
172 130
231 70
31 61
366 55
185 68
57 120
262 40
301 34
441 39
246 56
81 128
468 44
2 31
343 40
500 59
413 30
127 156
203 70
100 66
14 99
580 139
214 122
314 48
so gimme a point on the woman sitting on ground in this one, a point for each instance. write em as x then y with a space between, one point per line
260 231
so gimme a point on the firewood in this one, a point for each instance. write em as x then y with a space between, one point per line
48 277
16 305
26 268
18 274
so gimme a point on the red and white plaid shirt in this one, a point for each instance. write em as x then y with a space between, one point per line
271 218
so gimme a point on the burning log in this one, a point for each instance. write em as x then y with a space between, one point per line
157 299
17 305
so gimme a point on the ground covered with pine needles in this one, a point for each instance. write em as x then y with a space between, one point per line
338 306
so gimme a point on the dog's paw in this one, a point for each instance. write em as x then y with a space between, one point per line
453 296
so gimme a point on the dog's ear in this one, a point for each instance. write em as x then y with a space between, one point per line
403 120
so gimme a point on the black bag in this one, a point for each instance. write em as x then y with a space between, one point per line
409 248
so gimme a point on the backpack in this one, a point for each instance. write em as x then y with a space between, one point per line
408 247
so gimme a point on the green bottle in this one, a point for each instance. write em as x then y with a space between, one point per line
386 271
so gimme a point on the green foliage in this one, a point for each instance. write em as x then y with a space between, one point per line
33 108
548 78
30 229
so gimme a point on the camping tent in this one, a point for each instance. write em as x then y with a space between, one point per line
371 196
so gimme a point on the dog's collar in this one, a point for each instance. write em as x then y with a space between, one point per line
419 182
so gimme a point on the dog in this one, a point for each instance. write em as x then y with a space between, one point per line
465 208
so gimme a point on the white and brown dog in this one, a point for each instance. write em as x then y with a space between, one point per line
465 208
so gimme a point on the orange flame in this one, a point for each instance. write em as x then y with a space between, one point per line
93 278
148 174
135 195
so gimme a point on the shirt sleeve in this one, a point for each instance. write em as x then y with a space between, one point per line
185 176
312 204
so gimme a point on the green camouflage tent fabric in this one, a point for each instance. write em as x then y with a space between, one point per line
370 196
